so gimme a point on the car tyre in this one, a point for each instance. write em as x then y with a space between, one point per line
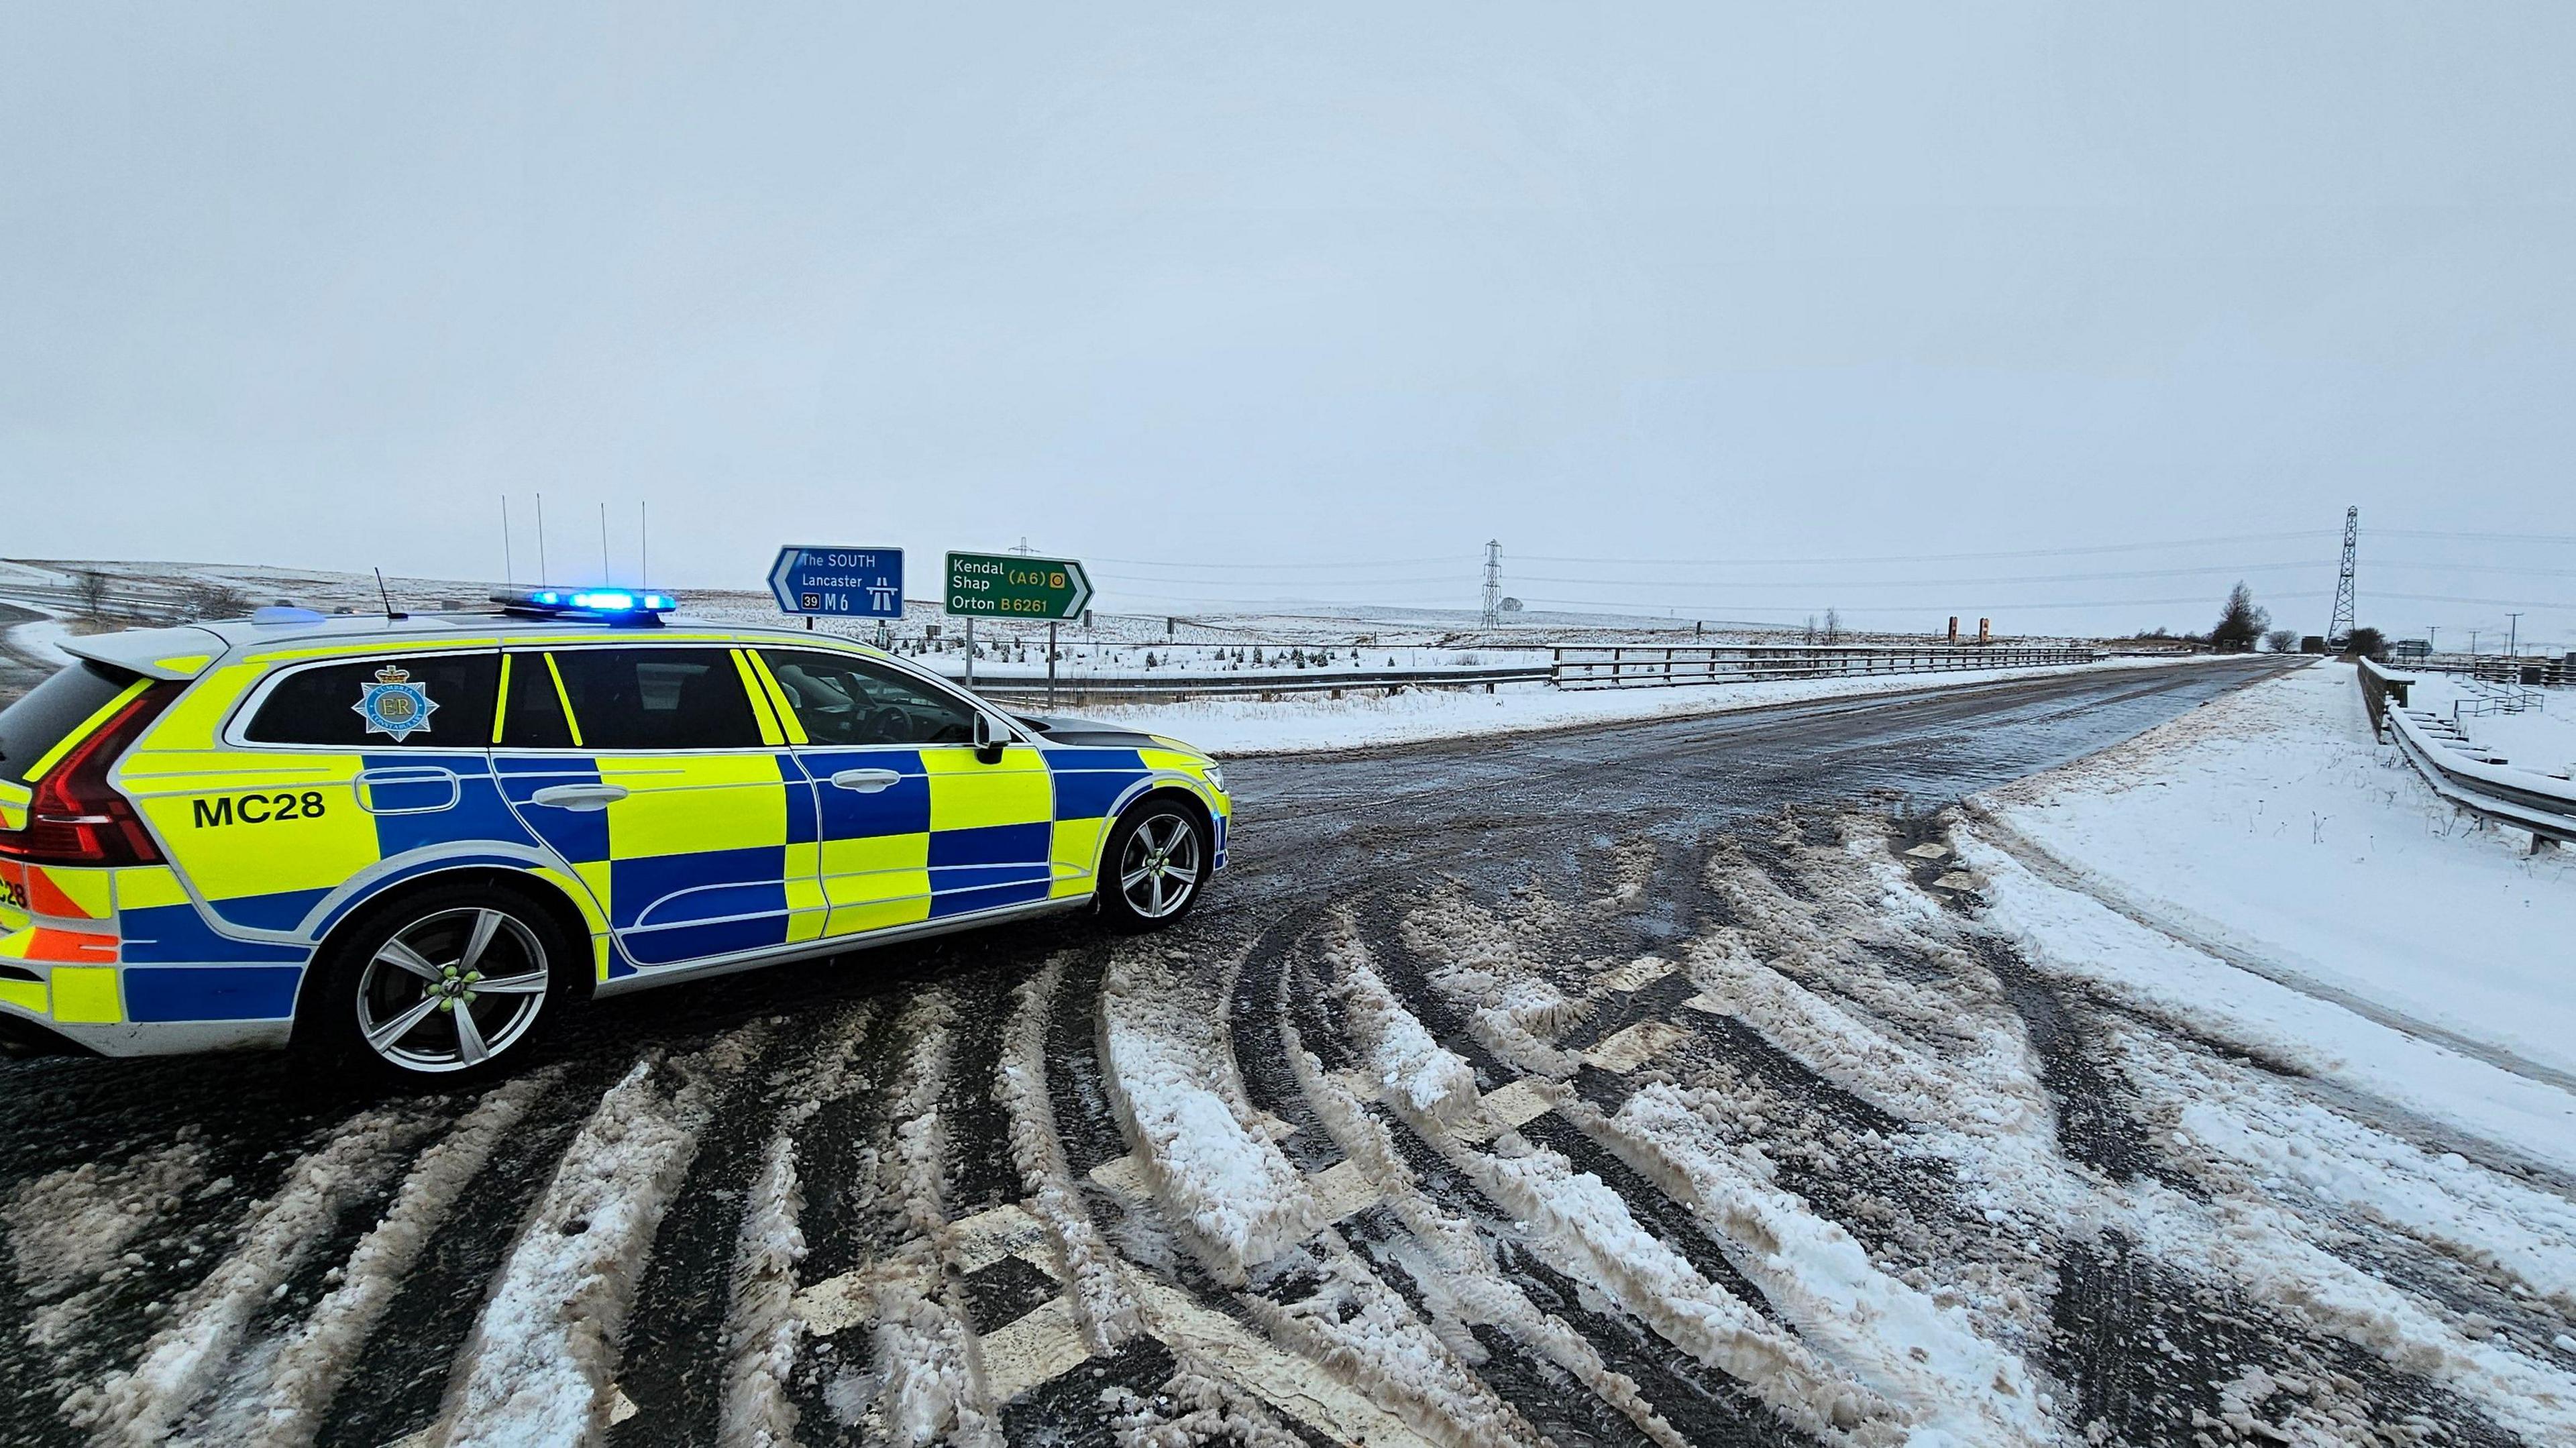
447 986
1155 864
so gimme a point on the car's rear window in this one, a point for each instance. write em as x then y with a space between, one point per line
421 701
47 714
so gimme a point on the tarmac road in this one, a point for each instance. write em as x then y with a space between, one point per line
1043 1185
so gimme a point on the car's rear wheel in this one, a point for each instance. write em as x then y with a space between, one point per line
446 986
1155 865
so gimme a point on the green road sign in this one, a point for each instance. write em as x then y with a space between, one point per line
1007 585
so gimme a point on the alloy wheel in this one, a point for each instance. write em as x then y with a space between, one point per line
452 989
1160 867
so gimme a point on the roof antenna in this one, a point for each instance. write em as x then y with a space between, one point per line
509 567
387 597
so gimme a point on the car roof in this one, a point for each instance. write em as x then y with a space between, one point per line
186 651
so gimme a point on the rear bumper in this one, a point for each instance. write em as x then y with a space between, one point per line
22 1037
49 1008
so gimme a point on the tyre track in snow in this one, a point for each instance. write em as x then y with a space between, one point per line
2293 1348
1603 833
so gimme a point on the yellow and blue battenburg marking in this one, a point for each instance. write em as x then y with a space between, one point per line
668 858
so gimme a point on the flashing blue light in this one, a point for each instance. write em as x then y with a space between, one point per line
605 603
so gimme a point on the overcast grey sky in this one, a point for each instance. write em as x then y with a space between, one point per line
1343 285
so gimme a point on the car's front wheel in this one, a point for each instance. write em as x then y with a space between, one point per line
442 987
1156 864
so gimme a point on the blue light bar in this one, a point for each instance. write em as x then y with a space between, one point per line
608 603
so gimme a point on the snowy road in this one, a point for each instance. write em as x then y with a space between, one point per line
1656 1083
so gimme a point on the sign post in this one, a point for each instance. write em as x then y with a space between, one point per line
1013 585
823 581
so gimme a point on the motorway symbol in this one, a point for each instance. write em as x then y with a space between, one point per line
1009 585
839 582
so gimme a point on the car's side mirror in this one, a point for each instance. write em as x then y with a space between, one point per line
988 749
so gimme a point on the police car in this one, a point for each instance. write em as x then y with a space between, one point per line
405 842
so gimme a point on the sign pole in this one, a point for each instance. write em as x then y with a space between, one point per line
1019 586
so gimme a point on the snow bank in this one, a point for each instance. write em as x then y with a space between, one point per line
2072 934
1582 1227
1485 966
927 1361
1102 1300
2269 823
1925 1357
543 1355
69 1228
144 1405
2293 1146
1304 722
1427 1079
762 1329
1459 1281
1232 1187
42 641
313 1363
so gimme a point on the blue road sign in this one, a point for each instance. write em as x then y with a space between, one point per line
839 582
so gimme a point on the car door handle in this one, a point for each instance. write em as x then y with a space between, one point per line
866 781
579 796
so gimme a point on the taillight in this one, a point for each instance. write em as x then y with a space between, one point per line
75 817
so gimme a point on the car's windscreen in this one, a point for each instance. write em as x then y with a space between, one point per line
47 714
405 701
841 699
658 699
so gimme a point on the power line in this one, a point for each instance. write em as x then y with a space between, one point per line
2220 569
2558 603
1714 609
2474 537
1944 557
1451 558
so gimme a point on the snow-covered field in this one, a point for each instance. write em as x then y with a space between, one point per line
1299 723
2268 823
2540 738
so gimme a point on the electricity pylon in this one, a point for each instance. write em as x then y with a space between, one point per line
2340 628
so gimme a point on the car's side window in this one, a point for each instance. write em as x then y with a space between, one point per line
532 713
669 698
415 701
843 699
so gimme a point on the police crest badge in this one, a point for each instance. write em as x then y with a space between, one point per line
394 705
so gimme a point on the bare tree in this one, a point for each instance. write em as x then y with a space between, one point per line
92 585
1833 625
210 599
2281 640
